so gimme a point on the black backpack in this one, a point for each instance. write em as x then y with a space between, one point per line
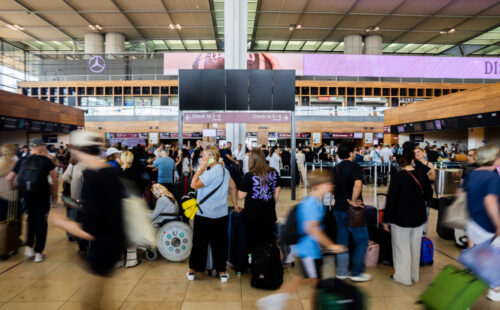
337 294
291 234
266 268
30 178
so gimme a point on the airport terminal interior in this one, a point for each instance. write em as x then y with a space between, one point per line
396 103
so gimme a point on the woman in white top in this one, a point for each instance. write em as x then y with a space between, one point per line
301 160
274 159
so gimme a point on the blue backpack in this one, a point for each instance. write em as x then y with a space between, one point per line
426 252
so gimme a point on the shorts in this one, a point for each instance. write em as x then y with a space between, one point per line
311 267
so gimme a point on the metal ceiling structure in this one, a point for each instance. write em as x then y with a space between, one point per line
470 27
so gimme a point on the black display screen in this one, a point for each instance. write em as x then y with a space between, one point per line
417 127
429 125
401 128
197 135
36 126
327 135
213 89
260 89
237 90
284 90
10 123
65 128
190 90
49 127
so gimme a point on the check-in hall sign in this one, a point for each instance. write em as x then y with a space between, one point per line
236 117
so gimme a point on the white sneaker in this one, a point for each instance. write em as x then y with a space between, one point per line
493 296
273 302
361 278
29 252
190 276
224 277
39 257
342 277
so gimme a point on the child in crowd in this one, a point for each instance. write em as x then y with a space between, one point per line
308 250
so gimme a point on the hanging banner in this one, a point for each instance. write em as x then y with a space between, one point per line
316 137
153 138
236 117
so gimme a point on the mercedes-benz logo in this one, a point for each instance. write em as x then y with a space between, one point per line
97 64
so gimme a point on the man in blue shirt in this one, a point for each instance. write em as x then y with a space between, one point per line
310 213
166 167
227 156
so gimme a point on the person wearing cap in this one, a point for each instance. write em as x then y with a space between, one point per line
35 199
112 157
102 225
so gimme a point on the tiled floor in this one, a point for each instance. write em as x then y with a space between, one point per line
59 282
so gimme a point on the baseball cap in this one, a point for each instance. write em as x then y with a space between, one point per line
36 142
112 151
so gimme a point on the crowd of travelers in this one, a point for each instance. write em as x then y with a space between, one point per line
92 175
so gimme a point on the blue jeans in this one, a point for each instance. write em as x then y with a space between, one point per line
360 236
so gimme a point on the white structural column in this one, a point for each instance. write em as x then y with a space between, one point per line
115 43
353 44
235 53
94 43
476 138
373 44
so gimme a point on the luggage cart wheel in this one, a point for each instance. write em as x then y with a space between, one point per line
151 255
238 274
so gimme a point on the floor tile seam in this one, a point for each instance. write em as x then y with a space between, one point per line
133 288
22 291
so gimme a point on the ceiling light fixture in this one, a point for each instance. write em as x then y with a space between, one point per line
299 26
291 28
15 27
178 26
372 29
171 26
98 27
447 30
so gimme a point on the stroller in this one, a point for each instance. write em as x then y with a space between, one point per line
175 238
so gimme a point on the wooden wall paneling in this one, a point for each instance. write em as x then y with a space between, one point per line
473 101
21 106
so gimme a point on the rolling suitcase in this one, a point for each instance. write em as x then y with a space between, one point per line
237 254
10 228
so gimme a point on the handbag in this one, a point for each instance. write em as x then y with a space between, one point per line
356 216
457 215
484 261
191 206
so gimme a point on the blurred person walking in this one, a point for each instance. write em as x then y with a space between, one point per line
102 194
35 193
7 163
483 191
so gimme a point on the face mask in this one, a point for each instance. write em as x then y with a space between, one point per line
211 160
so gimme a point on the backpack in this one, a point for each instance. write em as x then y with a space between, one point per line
266 268
30 178
291 234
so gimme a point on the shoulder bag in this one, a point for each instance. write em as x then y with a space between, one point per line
356 216
189 203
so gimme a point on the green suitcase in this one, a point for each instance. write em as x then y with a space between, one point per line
453 289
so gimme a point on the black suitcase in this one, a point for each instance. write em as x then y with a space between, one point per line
237 252
443 231
384 239
266 268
